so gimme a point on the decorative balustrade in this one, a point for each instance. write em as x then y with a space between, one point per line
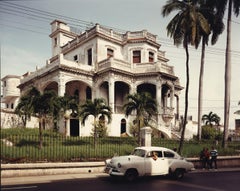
110 33
135 67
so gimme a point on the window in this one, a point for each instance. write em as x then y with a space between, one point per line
136 56
168 154
155 153
89 53
88 93
5 83
110 53
75 58
55 41
151 57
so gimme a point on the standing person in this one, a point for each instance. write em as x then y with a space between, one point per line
214 155
202 158
207 158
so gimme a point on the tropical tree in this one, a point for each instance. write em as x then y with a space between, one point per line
185 28
98 109
221 6
44 107
144 107
64 104
211 118
24 109
216 26
39 105
233 5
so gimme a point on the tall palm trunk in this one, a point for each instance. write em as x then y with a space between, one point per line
95 133
200 89
186 101
40 133
227 77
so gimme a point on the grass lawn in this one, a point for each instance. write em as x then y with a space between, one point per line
57 148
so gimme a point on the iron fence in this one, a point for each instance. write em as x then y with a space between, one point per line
16 148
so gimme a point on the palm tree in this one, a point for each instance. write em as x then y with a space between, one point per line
217 27
24 109
44 107
96 108
220 6
211 118
39 105
185 28
144 106
65 103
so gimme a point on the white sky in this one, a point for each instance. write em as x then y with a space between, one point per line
25 43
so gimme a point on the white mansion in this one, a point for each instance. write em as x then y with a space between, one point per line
103 63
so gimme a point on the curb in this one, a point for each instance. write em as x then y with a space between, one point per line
40 169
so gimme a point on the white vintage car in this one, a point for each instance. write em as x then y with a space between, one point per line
148 161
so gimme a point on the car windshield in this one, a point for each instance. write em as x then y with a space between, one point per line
139 152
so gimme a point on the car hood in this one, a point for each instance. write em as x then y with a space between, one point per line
125 159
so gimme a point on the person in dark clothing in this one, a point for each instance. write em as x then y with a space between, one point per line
207 158
202 158
213 160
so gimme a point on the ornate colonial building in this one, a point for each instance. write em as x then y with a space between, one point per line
104 63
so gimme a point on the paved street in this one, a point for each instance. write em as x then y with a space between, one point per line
200 181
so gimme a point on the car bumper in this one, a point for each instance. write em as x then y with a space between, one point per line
113 172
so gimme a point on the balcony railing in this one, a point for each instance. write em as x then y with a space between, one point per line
135 67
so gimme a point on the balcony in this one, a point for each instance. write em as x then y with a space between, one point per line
134 68
57 62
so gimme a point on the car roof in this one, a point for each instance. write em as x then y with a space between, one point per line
150 148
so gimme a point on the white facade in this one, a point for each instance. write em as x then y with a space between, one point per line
10 92
103 63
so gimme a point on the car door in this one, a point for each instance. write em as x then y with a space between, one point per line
156 165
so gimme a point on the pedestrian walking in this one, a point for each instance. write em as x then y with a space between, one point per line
213 154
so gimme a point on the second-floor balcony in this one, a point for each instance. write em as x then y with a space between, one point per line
113 63
134 68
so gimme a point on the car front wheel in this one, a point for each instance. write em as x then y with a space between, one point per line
131 175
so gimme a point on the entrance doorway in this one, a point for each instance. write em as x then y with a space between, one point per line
74 127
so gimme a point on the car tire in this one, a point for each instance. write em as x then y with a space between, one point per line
179 174
131 175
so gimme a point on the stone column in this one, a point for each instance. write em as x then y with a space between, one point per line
159 102
61 85
133 88
146 138
171 97
111 90
159 97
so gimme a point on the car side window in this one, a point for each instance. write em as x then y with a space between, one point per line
157 153
168 154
